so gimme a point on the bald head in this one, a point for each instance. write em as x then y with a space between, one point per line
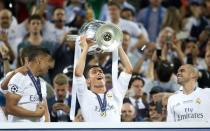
5 18
192 69
128 112
5 11
187 74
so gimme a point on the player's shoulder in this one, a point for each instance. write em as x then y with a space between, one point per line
176 95
18 77
15 84
125 74
204 90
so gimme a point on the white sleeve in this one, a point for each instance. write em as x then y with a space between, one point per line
80 85
16 85
2 116
122 83
1 90
170 115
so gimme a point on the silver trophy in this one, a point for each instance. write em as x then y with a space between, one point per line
107 36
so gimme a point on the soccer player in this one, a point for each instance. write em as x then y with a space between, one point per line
99 104
192 103
24 102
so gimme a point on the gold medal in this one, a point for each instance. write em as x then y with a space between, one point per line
103 114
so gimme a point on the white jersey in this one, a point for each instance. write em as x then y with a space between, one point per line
193 107
2 116
89 103
22 85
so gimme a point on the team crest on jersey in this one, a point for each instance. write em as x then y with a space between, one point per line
109 95
198 101
14 88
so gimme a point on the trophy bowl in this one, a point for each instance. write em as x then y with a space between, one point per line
107 36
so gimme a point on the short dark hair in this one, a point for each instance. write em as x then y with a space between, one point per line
25 52
34 51
135 77
128 9
164 70
155 90
34 17
113 3
87 69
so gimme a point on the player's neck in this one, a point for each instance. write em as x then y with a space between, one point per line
33 68
100 90
189 87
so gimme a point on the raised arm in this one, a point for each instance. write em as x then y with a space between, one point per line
81 62
125 61
137 67
177 48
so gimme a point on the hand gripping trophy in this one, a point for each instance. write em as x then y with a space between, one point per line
106 35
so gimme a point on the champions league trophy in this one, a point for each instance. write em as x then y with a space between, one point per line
107 36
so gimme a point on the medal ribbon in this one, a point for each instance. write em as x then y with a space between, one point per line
103 103
37 85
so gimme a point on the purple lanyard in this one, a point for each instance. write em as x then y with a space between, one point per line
37 84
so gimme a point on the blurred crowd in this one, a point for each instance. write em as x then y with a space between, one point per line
158 37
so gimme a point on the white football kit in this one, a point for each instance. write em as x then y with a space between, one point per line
22 85
193 107
89 103
2 116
